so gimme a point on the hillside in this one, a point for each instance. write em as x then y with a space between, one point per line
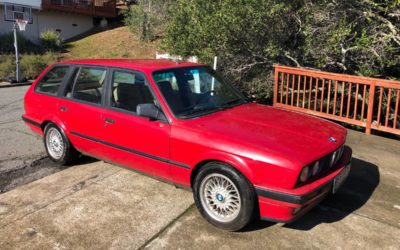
115 43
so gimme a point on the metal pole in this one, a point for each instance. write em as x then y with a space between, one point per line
214 67
18 72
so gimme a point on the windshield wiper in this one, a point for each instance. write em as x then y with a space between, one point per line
212 109
207 109
233 103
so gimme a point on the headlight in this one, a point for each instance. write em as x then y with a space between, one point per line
315 168
336 156
304 174
333 158
339 154
309 171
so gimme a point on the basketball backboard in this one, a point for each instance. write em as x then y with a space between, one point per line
13 12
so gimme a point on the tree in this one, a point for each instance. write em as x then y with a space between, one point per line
249 36
359 37
147 18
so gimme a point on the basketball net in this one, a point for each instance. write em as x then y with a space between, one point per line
21 24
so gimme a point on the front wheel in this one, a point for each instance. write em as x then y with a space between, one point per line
224 196
57 145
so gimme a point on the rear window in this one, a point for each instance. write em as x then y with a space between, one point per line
51 81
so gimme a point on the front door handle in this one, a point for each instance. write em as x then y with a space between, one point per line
109 120
63 109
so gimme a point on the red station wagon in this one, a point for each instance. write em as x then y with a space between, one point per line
183 123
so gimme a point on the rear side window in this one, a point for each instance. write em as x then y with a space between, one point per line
52 80
89 85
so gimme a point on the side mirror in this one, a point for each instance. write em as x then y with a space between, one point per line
149 110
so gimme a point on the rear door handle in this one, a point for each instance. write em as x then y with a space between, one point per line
109 120
63 109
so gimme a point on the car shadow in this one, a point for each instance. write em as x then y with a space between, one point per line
83 159
363 179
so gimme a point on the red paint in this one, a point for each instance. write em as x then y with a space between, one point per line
267 145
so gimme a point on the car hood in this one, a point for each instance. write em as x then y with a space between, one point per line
270 134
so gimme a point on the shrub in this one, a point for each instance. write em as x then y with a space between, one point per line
7 66
51 40
32 65
24 45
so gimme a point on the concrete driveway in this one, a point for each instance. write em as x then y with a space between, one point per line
101 206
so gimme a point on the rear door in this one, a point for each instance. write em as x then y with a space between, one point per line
134 141
41 103
80 108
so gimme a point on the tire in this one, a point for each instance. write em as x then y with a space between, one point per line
223 196
58 147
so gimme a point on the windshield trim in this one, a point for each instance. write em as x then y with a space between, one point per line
206 112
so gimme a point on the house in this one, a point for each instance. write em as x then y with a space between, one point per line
68 17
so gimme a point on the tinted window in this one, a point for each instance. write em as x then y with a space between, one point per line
89 85
51 82
128 90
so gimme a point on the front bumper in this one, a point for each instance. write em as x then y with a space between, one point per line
287 205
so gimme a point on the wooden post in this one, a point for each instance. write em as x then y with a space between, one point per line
370 108
276 80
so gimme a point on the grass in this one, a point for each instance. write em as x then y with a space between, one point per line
115 43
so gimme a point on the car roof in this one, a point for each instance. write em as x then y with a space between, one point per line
145 64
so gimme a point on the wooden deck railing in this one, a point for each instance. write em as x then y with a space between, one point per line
101 8
367 102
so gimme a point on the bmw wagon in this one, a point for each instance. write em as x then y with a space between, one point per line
183 123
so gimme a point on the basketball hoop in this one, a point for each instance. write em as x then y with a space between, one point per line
20 15
21 24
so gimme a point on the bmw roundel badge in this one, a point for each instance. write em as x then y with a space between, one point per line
332 139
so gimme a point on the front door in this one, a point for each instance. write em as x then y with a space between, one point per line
134 141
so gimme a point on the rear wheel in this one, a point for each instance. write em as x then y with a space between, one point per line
57 145
224 196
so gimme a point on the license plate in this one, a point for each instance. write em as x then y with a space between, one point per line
338 181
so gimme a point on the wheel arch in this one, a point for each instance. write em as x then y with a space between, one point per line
233 161
58 123
44 124
54 120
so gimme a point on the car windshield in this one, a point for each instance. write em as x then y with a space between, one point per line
196 91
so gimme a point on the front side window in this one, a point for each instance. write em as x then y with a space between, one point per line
52 80
197 91
129 89
89 85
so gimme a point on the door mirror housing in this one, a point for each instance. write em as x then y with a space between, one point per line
150 110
